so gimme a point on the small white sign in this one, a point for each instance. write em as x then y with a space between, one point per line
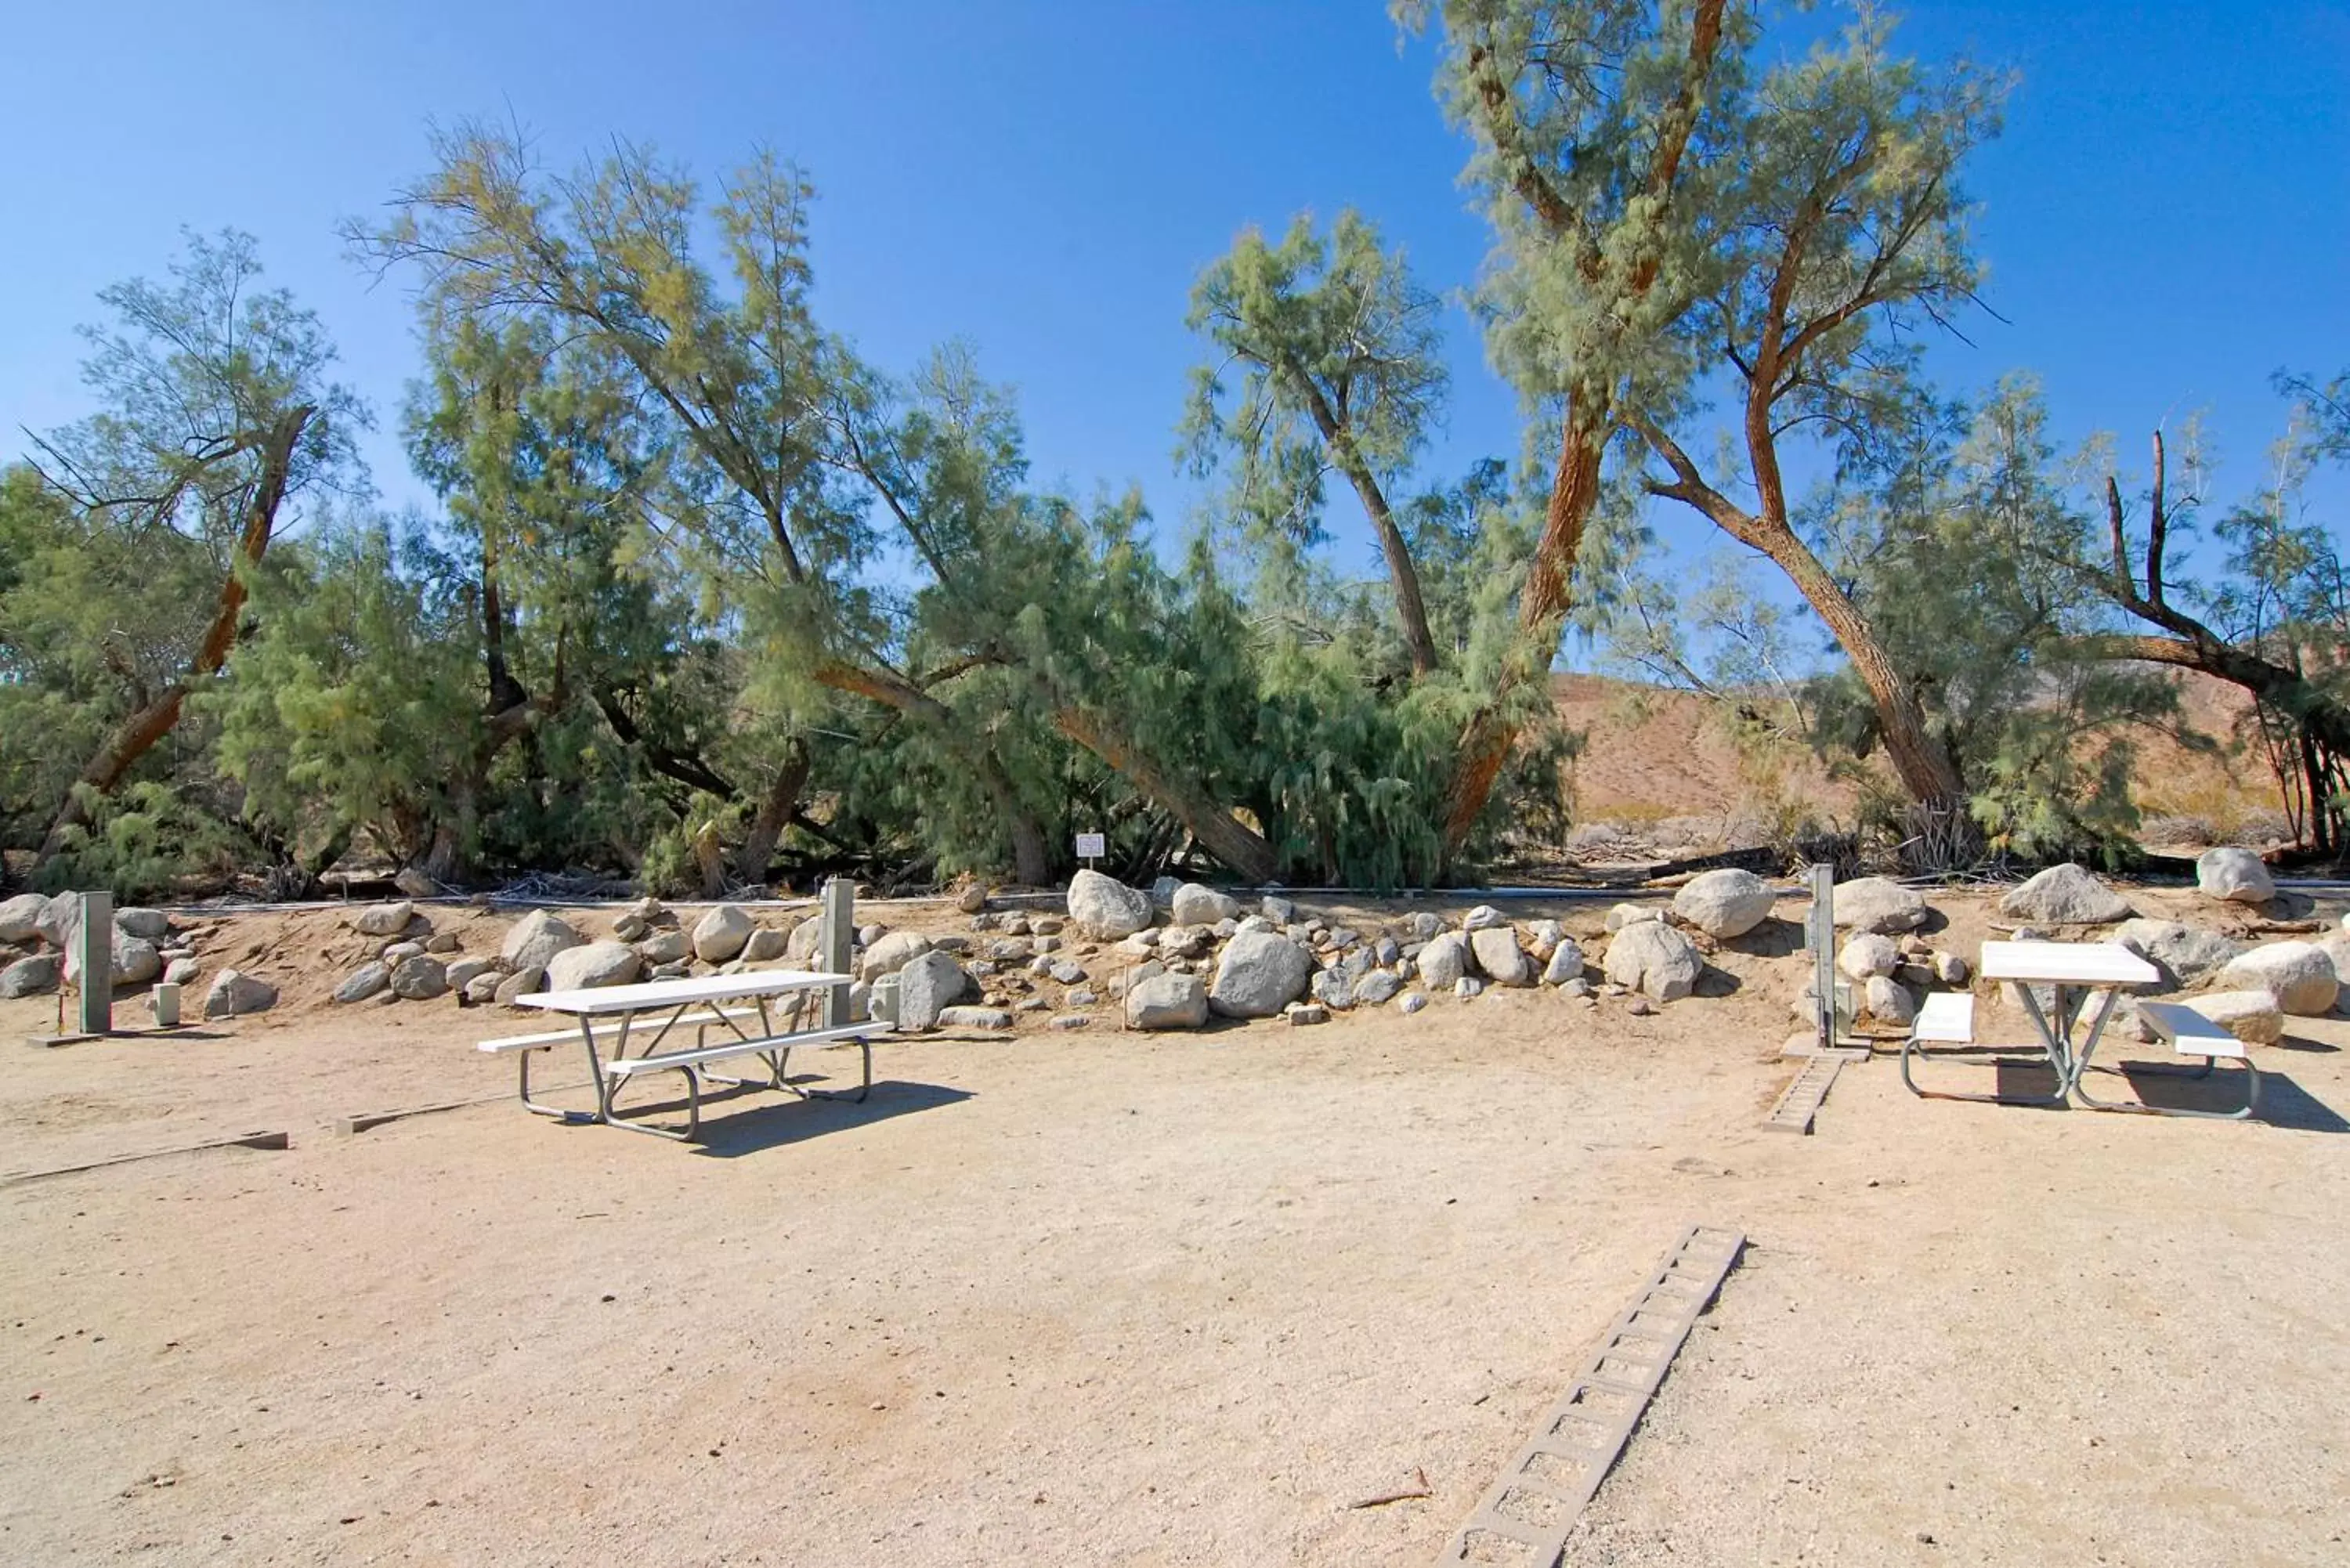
1092 846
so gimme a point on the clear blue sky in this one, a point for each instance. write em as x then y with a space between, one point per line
2165 217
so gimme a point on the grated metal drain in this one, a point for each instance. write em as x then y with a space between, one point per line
1524 1518
1801 1101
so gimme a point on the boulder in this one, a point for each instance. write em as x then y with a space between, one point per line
1878 904
1484 917
134 960
665 947
1500 957
1468 986
2300 975
1950 969
1443 961
1107 908
1889 1002
35 976
630 928
1194 905
1303 1012
2067 896
2252 1016
234 995
1409 1002
1651 957
60 919
1622 914
442 942
535 939
892 954
765 943
1867 954
364 981
1333 987
1725 903
522 982
2234 874
1279 910
1066 972
928 984
1424 925
418 979
806 940
1258 975
1542 938
20 918
718 935
483 987
1565 962
181 971
975 1018
394 951
597 964
1376 987
2185 954
153 925
383 920
465 971
972 898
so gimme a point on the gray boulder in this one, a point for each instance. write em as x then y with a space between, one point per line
1878 904
153 925
60 919
1258 975
1500 957
1889 1002
2252 1016
665 947
975 1018
1424 925
2234 874
1333 987
1167 1002
596 963
720 935
1484 917
1725 903
465 971
1565 962
1107 908
765 943
134 960
364 981
1194 905
806 940
181 971
2068 896
483 987
20 918
522 982
1622 914
1409 1002
1443 961
631 928
892 954
1651 957
2185 955
1867 954
1376 987
234 994
1279 910
383 920
35 976
418 979
534 939
928 984
2300 975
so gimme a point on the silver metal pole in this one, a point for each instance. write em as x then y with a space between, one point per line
1823 935
838 942
94 950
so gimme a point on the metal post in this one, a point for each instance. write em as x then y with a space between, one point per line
838 942
94 953
1823 935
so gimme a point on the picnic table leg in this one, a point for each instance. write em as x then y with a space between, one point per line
2059 1050
578 1119
2211 1064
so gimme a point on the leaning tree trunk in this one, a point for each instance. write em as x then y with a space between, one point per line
137 736
1241 849
774 813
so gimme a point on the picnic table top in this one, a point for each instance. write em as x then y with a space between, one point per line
2066 963
672 993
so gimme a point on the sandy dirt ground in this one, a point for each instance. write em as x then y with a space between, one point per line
1168 1299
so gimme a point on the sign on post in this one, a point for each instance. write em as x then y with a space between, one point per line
1092 846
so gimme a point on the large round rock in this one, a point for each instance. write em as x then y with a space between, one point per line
1443 961
1106 907
1258 975
597 964
720 934
2183 953
2067 896
928 985
20 918
1194 905
891 953
2300 975
2234 874
1877 904
1652 957
1167 1002
1725 903
535 939
1499 955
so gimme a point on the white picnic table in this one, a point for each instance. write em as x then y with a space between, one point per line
2076 974
700 1001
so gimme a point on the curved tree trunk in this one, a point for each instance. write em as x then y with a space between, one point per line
774 813
1223 836
137 736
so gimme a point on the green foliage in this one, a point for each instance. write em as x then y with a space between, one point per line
148 842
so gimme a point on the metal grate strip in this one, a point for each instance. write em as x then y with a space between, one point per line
1524 1520
1801 1101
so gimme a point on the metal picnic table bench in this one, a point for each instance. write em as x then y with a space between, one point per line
700 1003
